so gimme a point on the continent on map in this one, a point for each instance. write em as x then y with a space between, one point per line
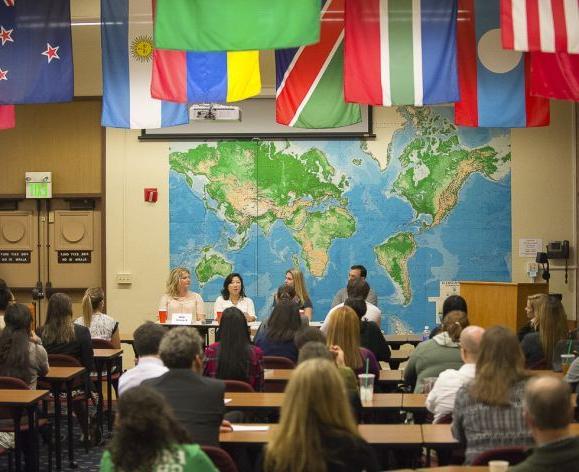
249 182
393 255
211 265
435 165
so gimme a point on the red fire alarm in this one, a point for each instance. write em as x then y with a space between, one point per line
151 195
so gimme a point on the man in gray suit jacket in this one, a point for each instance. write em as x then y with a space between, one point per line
197 401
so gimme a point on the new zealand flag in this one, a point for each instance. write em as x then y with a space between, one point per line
35 51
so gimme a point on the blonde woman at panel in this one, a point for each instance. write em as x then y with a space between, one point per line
100 325
179 299
295 278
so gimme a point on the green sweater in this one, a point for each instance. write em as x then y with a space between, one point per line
186 458
558 456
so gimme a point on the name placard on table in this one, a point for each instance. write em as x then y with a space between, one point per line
181 318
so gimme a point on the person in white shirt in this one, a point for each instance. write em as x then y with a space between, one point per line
100 325
440 400
233 294
358 288
147 338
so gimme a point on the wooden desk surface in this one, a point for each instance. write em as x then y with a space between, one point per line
414 401
280 375
107 353
450 468
62 373
399 355
391 376
437 435
275 400
127 338
21 397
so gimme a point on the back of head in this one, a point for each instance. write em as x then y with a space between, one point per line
453 323
5 298
499 367
234 346
285 293
314 350
470 339
548 403
552 324
315 403
358 288
179 348
309 334
146 428
452 303
284 322
91 301
358 305
14 343
344 331
58 327
147 339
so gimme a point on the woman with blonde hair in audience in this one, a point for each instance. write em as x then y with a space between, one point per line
534 304
344 331
295 278
488 412
441 352
179 299
539 347
100 325
317 431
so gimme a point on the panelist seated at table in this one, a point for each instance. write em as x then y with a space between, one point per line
179 299
317 430
147 436
233 295
197 401
294 278
356 272
100 325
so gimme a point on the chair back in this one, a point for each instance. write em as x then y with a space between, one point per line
63 360
277 362
102 344
11 383
237 386
446 419
512 454
220 458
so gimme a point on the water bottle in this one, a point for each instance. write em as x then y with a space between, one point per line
426 333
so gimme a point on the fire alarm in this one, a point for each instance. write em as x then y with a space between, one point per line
151 195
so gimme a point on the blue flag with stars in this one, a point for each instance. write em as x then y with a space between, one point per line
35 52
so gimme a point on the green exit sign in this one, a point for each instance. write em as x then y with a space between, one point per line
38 184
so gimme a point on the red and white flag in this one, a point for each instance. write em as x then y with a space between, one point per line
554 75
540 25
7 117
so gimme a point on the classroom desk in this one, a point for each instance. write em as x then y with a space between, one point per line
283 375
56 376
400 435
397 358
450 468
25 400
127 338
106 357
414 401
397 340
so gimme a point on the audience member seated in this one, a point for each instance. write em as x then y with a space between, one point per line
451 303
21 352
357 288
440 400
317 431
275 336
309 334
572 376
146 340
100 325
344 331
6 298
488 412
197 401
179 299
551 324
356 272
233 295
234 358
371 336
294 278
148 437
442 352
534 304
548 412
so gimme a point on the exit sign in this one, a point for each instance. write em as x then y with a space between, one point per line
38 184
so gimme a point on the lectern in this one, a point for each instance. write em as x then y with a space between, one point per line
498 303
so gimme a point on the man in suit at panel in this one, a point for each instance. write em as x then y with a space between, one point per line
356 272
197 401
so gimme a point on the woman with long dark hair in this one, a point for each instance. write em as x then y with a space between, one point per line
233 357
148 437
21 354
233 295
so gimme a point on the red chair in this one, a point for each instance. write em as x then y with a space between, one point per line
277 362
512 454
237 386
446 419
220 458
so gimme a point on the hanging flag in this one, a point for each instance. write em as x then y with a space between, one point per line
310 79
493 82
201 77
7 116
400 52
35 52
555 75
127 45
239 25
540 25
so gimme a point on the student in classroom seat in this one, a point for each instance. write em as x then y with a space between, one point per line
534 305
179 299
371 336
233 357
148 437
6 298
317 431
451 303
100 325
233 295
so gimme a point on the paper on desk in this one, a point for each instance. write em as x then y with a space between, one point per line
248 427
226 400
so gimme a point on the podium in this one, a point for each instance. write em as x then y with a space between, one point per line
498 303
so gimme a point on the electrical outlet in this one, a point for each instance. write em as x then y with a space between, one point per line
124 278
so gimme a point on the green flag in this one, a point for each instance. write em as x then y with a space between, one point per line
236 25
